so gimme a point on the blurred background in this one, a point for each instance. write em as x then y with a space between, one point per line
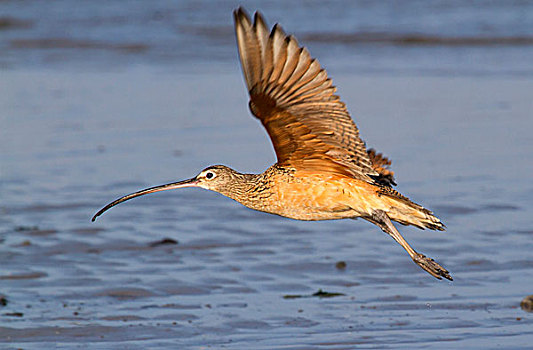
432 37
102 98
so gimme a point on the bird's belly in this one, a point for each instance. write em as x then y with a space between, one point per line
317 199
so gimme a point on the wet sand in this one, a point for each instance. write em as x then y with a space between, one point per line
227 276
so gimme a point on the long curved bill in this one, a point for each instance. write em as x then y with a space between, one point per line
181 184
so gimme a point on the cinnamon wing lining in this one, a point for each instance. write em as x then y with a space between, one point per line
293 97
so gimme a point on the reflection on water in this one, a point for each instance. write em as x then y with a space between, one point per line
190 268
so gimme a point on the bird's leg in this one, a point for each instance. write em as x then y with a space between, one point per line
382 220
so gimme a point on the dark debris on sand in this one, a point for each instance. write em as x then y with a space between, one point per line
319 294
164 241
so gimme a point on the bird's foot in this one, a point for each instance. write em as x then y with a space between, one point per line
431 266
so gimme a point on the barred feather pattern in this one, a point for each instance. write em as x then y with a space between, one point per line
291 94
381 165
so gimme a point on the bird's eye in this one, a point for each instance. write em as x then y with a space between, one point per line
209 175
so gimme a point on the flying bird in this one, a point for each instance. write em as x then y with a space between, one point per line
324 170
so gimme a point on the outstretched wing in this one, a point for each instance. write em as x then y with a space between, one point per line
295 100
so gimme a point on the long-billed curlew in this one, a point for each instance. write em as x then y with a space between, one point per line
324 170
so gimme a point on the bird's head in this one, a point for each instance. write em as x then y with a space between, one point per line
216 178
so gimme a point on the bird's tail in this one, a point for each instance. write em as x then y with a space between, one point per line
406 212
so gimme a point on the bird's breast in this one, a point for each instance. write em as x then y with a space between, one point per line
315 197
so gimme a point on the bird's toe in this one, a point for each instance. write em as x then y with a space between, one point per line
432 267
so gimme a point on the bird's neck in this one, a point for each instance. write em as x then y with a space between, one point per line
241 186
247 189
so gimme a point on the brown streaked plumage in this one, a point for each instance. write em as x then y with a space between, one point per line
324 170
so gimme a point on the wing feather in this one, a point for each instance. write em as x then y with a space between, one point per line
291 94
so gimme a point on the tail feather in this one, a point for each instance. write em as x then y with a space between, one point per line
407 212
417 216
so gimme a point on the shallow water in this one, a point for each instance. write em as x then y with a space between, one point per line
433 37
77 135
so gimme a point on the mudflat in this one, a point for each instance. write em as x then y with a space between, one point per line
103 101
229 276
